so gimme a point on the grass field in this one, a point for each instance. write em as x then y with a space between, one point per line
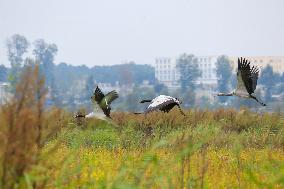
205 149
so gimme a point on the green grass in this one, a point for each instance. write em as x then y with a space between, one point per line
205 149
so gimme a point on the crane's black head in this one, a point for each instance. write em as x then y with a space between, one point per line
79 115
180 102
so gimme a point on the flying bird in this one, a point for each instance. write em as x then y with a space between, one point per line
163 103
246 81
103 101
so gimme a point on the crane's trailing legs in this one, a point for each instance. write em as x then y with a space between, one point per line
257 100
180 110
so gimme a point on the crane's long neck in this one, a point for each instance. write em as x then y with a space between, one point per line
225 94
143 101
80 115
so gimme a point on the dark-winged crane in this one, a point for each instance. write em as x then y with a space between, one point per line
103 101
246 81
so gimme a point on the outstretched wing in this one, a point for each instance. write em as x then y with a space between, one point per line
98 95
160 104
106 101
247 78
254 75
111 96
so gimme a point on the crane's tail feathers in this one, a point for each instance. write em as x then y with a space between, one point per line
143 101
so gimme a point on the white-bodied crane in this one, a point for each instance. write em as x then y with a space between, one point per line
163 103
246 81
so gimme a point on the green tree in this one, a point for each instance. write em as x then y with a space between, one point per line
282 78
17 46
267 80
3 73
160 88
45 54
189 72
224 74
281 84
131 101
90 87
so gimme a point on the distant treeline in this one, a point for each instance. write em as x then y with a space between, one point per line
72 86
123 73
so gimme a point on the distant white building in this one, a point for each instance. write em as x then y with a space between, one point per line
207 66
4 94
122 89
276 62
167 73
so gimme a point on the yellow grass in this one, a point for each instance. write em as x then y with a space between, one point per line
160 168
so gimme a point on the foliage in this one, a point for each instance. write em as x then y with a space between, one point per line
3 73
22 126
160 88
45 53
130 102
124 73
224 74
266 79
90 87
189 72
224 148
17 46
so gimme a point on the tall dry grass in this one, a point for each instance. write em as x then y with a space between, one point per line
25 127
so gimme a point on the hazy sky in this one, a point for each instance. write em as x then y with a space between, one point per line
101 32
